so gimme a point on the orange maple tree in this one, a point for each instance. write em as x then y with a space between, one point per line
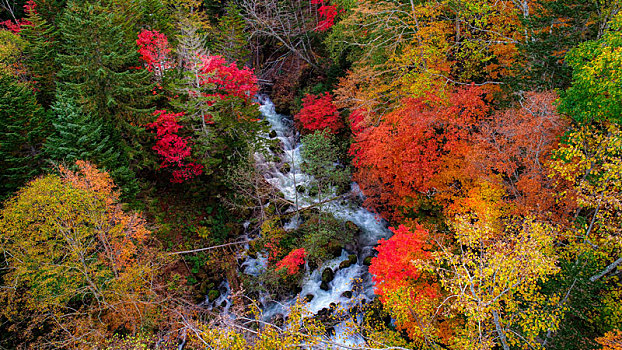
414 147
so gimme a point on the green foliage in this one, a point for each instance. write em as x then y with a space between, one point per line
322 236
98 63
554 27
596 91
231 39
80 136
40 56
22 130
321 160
11 51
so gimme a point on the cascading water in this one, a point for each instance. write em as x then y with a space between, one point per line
352 278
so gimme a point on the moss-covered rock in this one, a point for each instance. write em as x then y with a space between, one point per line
213 294
328 275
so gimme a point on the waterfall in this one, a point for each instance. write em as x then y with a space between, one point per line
355 278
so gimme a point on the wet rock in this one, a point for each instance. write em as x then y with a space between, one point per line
213 294
323 313
285 168
309 297
347 263
367 261
324 286
300 189
224 304
206 285
350 247
347 294
328 275
335 248
272 134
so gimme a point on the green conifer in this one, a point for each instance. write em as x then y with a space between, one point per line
23 128
100 67
82 136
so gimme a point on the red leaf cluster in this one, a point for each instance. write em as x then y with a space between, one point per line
227 79
173 148
319 113
293 261
153 49
16 26
393 267
327 14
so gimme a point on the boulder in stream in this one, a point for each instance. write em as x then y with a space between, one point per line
213 294
285 168
347 263
272 134
327 275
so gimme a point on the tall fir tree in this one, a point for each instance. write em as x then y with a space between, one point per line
81 136
231 38
23 128
99 65
40 55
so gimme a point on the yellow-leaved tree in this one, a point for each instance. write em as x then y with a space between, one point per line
78 267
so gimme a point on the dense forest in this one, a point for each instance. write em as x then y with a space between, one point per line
311 174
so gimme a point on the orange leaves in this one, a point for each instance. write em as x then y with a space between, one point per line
293 261
413 147
125 230
393 268
611 341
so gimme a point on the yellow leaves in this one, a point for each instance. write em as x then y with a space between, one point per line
75 254
496 268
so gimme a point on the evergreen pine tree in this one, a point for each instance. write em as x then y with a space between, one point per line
40 55
100 65
231 40
23 128
81 136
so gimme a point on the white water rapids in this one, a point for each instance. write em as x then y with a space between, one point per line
354 278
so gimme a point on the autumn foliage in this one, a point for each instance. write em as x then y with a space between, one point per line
174 149
94 269
154 50
227 79
319 113
292 261
416 148
327 15
399 280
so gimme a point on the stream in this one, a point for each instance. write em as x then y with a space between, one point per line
354 279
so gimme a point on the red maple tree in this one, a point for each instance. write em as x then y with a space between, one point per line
153 49
319 113
293 261
416 149
172 148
